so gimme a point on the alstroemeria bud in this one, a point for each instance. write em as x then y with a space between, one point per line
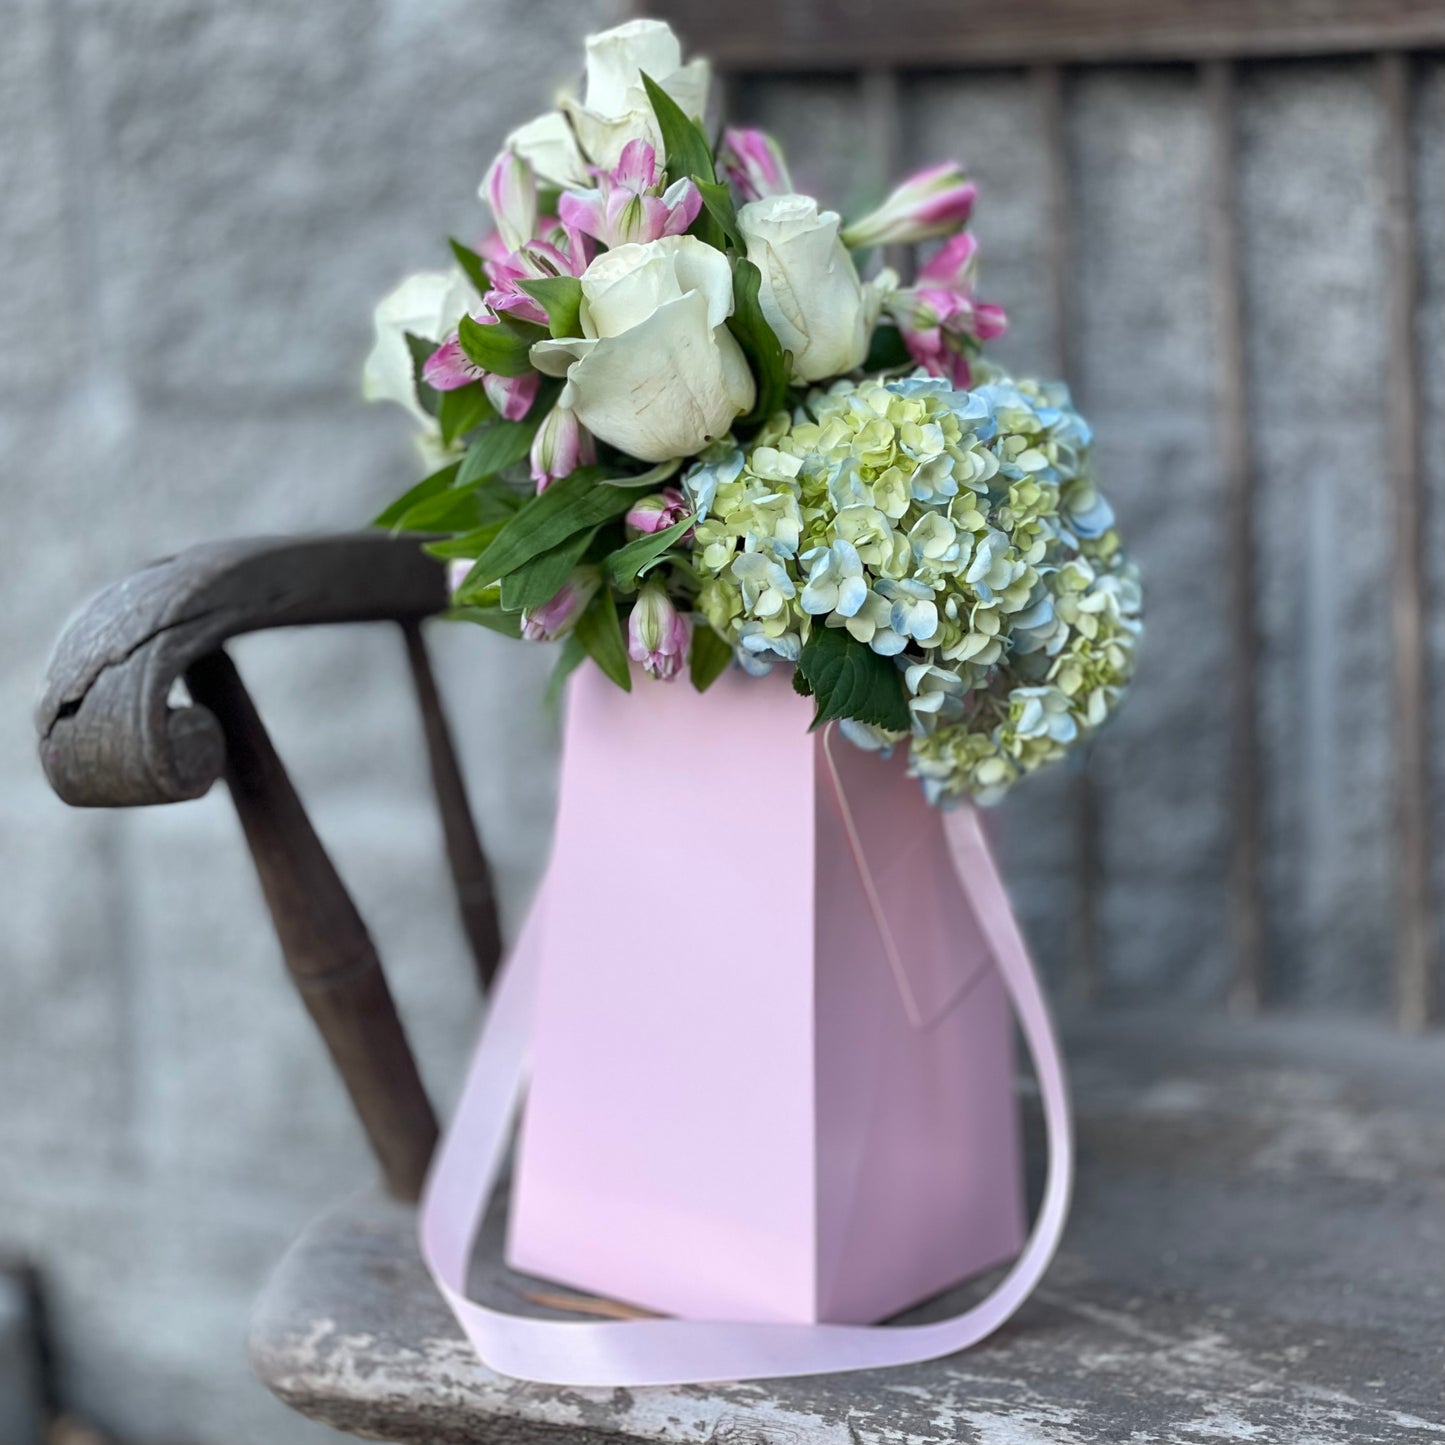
457 570
657 633
560 447
753 163
556 617
510 189
656 512
935 202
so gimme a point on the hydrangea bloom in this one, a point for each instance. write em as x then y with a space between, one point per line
958 533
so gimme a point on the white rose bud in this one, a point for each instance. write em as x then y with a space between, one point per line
655 373
614 108
811 293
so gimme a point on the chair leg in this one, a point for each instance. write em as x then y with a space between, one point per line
328 952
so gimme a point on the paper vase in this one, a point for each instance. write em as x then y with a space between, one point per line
772 1070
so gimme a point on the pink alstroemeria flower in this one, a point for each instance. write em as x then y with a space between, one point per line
753 163
562 444
557 616
939 320
559 251
626 205
449 367
935 202
658 634
656 512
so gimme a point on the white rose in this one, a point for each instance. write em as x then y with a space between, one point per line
655 373
810 292
614 108
429 305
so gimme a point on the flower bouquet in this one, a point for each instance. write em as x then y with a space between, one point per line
678 422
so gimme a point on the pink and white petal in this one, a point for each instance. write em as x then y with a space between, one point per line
683 201
511 395
636 167
449 367
990 320
582 211
952 264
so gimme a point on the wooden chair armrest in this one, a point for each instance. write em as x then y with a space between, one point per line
108 734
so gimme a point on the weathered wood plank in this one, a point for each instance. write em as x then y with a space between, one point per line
471 874
1415 936
1083 976
328 951
1246 903
1253 1255
757 35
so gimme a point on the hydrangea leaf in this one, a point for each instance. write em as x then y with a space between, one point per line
850 680
600 632
709 657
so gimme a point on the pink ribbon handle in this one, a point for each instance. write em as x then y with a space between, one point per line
679 1352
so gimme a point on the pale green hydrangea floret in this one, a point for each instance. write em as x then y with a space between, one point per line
959 534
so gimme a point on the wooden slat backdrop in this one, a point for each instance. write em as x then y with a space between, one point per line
882 46
836 35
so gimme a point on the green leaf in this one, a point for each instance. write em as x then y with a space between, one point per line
683 139
628 563
520 326
561 298
471 263
886 350
494 347
717 202
502 444
759 342
462 410
537 581
572 657
574 504
509 624
850 680
709 658
465 545
800 683
460 509
428 398
600 632
427 487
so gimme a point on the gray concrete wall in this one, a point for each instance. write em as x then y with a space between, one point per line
201 202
